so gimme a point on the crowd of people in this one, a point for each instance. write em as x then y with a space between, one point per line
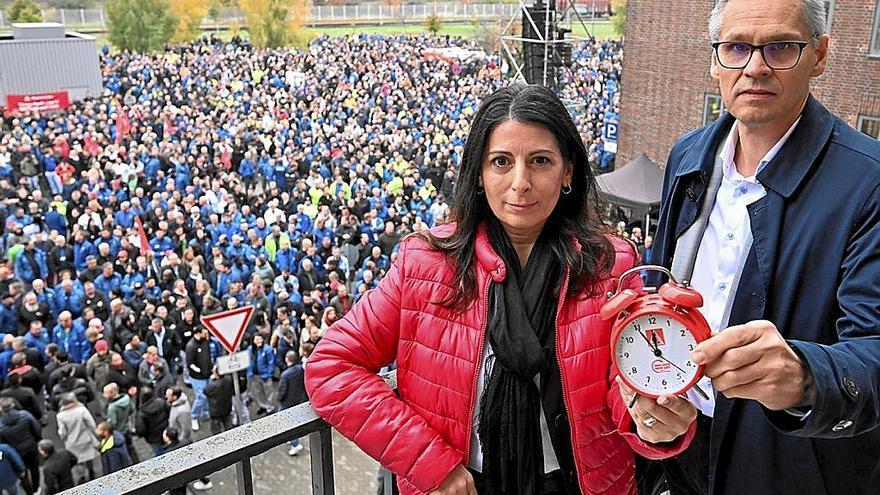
211 176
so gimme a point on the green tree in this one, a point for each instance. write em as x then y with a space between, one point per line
24 11
433 23
140 25
618 20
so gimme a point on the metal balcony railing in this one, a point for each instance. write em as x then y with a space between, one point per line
233 447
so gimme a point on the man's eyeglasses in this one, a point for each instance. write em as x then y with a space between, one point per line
778 55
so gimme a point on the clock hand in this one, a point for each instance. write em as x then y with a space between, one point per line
656 345
652 346
699 390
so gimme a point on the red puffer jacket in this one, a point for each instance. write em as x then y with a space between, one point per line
425 433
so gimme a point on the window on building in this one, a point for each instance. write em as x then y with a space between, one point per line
870 126
875 37
713 107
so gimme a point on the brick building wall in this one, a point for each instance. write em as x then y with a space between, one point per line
666 71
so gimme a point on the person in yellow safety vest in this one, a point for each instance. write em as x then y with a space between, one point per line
395 186
340 184
310 209
274 241
316 192
427 190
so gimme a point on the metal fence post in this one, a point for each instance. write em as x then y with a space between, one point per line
244 477
321 450
2 20
388 481
103 24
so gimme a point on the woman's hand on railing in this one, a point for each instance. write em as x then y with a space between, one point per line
459 482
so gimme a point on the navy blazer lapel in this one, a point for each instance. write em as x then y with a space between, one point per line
693 172
700 157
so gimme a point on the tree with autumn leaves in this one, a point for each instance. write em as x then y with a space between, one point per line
275 23
190 14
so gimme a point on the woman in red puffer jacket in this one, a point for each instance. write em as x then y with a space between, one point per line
505 383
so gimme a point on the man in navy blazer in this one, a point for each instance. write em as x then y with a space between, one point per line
773 214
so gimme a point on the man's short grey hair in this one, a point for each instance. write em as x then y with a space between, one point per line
815 16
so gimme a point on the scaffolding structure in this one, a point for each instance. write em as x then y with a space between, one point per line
546 38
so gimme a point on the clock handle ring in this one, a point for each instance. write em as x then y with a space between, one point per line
656 268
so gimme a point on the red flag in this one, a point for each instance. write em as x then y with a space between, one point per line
142 236
123 122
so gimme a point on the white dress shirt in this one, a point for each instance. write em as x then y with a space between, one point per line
725 242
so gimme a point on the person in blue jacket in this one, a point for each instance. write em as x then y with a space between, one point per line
125 216
82 249
181 175
55 220
773 214
12 468
70 336
68 297
129 281
159 244
31 264
108 280
247 168
260 374
285 257
114 452
37 337
8 314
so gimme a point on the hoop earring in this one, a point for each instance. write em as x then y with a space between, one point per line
569 189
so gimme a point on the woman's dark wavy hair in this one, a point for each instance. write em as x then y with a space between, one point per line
576 215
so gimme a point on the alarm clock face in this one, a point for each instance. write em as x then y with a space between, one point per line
653 355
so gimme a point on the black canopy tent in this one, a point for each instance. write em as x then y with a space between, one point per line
635 187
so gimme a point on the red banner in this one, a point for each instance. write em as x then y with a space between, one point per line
142 236
44 102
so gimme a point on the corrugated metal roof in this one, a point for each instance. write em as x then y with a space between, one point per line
41 66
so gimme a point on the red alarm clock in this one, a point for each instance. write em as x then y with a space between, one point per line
653 334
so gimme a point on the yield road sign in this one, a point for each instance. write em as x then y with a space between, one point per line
229 326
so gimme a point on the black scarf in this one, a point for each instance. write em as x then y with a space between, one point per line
521 330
